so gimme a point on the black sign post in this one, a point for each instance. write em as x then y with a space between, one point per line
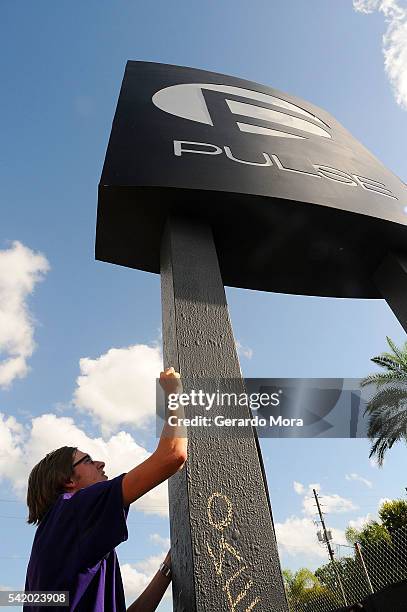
391 280
213 180
225 552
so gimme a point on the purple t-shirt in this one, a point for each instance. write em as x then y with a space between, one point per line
73 550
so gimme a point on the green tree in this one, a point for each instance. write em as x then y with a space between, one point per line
303 588
387 409
393 514
383 540
372 533
349 574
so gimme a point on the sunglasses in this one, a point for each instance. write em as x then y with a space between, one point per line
84 459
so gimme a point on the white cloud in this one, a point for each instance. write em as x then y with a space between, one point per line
155 501
119 387
20 270
366 6
361 521
244 351
298 487
151 564
22 448
331 504
394 42
354 476
157 539
136 576
298 536
11 453
134 581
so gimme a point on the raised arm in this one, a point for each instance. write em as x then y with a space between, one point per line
169 456
153 593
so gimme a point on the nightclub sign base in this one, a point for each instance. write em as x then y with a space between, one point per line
212 180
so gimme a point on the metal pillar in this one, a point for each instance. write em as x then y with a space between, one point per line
391 280
224 551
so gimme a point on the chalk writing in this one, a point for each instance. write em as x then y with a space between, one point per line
220 516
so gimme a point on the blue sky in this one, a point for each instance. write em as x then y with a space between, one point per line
61 70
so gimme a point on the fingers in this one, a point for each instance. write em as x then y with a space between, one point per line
170 381
170 372
167 371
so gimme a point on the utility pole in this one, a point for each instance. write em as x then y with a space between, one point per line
329 547
359 553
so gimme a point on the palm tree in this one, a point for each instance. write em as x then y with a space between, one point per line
387 409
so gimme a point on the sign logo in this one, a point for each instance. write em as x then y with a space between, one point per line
287 120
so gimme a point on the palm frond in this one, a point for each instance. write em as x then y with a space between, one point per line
378 450
381 378
391 427
389 397
394 358
387 361
401 354
387 409
383 444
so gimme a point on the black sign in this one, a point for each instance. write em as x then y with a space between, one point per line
296 204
